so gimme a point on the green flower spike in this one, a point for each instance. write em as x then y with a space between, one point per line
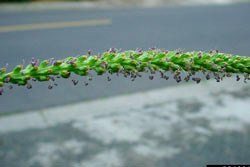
131 63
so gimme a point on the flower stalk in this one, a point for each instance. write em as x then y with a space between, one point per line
131 63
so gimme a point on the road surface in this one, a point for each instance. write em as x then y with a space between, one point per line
186 125
190 28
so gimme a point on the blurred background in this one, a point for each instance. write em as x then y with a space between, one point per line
123 123
136 2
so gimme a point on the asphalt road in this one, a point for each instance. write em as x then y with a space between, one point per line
211 125
190 28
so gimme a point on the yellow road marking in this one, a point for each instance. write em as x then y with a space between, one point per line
54 25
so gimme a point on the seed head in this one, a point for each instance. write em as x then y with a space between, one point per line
34 62
187 78
72 62
75 82
52 78
28 86
112 50
207 76
237 78
7 79
151 77
90 78
1 91
178 79
199 54
196 79
89 52
228 75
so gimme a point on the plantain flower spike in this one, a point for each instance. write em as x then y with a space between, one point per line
132 63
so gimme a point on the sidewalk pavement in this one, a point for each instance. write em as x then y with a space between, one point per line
186 125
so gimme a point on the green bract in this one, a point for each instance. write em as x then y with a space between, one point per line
130 63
